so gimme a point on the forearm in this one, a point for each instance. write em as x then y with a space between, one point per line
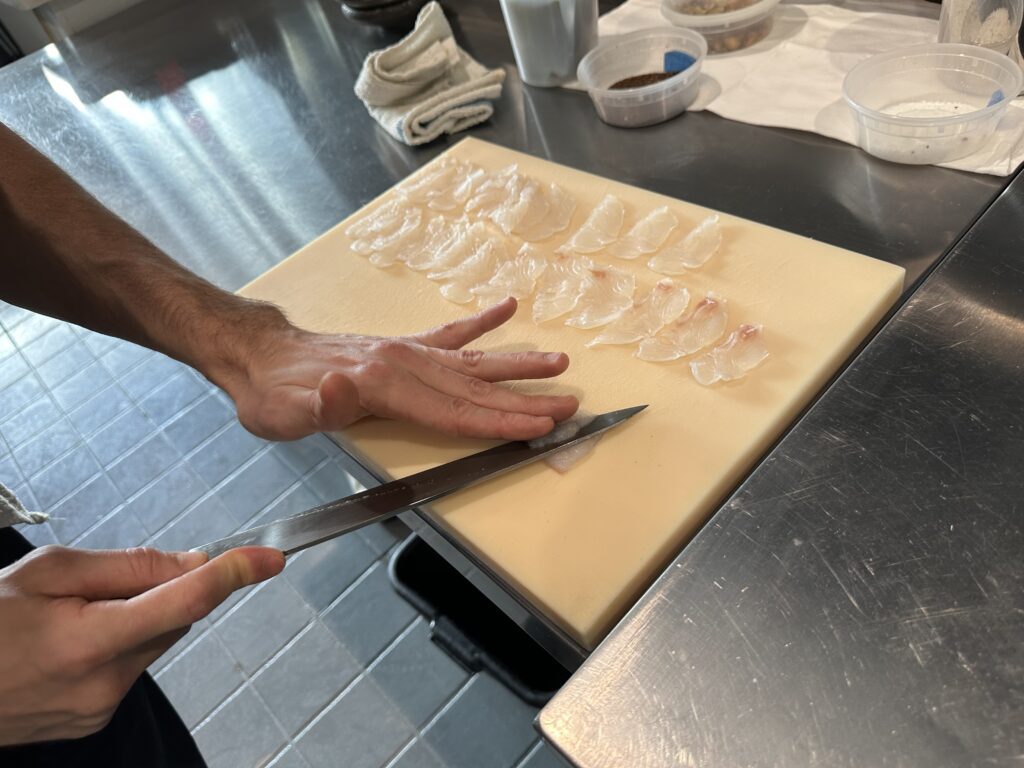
68 257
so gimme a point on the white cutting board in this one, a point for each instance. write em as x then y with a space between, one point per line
582 546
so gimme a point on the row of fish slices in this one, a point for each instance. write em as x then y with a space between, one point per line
470 263
647 237
514 202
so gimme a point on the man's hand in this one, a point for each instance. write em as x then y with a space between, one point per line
77 627
302 382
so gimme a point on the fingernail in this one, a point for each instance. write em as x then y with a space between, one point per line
554 357
190 560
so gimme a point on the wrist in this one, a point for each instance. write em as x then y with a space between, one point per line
246 336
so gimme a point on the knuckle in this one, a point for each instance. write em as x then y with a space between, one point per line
143 562
471 358
374 371
480 388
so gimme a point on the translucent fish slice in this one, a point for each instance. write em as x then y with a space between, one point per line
517 277
646 236
457 250
424 241
607 293
694 331
743 351
402 226
434 183
560 207
563 460
692 251
526 204
382 220
450 243
665 302
460 280
559 288
492 190
601 227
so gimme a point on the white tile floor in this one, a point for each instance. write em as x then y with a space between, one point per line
324 666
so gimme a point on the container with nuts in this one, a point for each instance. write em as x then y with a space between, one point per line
727 25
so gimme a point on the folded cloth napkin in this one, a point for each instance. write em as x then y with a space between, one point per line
425 84
12 512
794 77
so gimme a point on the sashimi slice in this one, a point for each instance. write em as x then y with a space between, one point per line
435 183
517 277
460 280
383 220
491 191
452 243
426 240
601 227
646 236
400 227
525 204
692 251
696 330
563 460
743 351
559 287
560 207
665 302
607 293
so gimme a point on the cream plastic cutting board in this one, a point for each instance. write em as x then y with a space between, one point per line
582 546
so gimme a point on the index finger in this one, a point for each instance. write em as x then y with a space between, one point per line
460 332
181 601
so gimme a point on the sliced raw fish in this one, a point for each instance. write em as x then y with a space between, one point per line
560 207
425 240
399 227
607 293
601 227
646 236
661 306
559 287
460 280
462 240
517 277
525 203
692 251
382 220
491 190
433 183
565 459
743 351
694 331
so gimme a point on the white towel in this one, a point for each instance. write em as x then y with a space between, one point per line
425 85
12 512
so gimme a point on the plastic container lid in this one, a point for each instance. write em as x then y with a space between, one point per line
675 11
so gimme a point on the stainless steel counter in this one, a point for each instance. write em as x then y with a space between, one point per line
860 600
227 131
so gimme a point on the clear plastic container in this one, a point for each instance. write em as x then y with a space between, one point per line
727 25
930 103
639 53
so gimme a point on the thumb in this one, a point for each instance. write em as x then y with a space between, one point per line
104 574
186 599
335 403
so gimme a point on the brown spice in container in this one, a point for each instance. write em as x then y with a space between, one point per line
639 81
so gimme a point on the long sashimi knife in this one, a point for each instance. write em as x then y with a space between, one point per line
319 524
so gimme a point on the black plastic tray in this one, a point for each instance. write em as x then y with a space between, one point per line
469 627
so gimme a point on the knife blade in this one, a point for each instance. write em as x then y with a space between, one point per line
316 525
